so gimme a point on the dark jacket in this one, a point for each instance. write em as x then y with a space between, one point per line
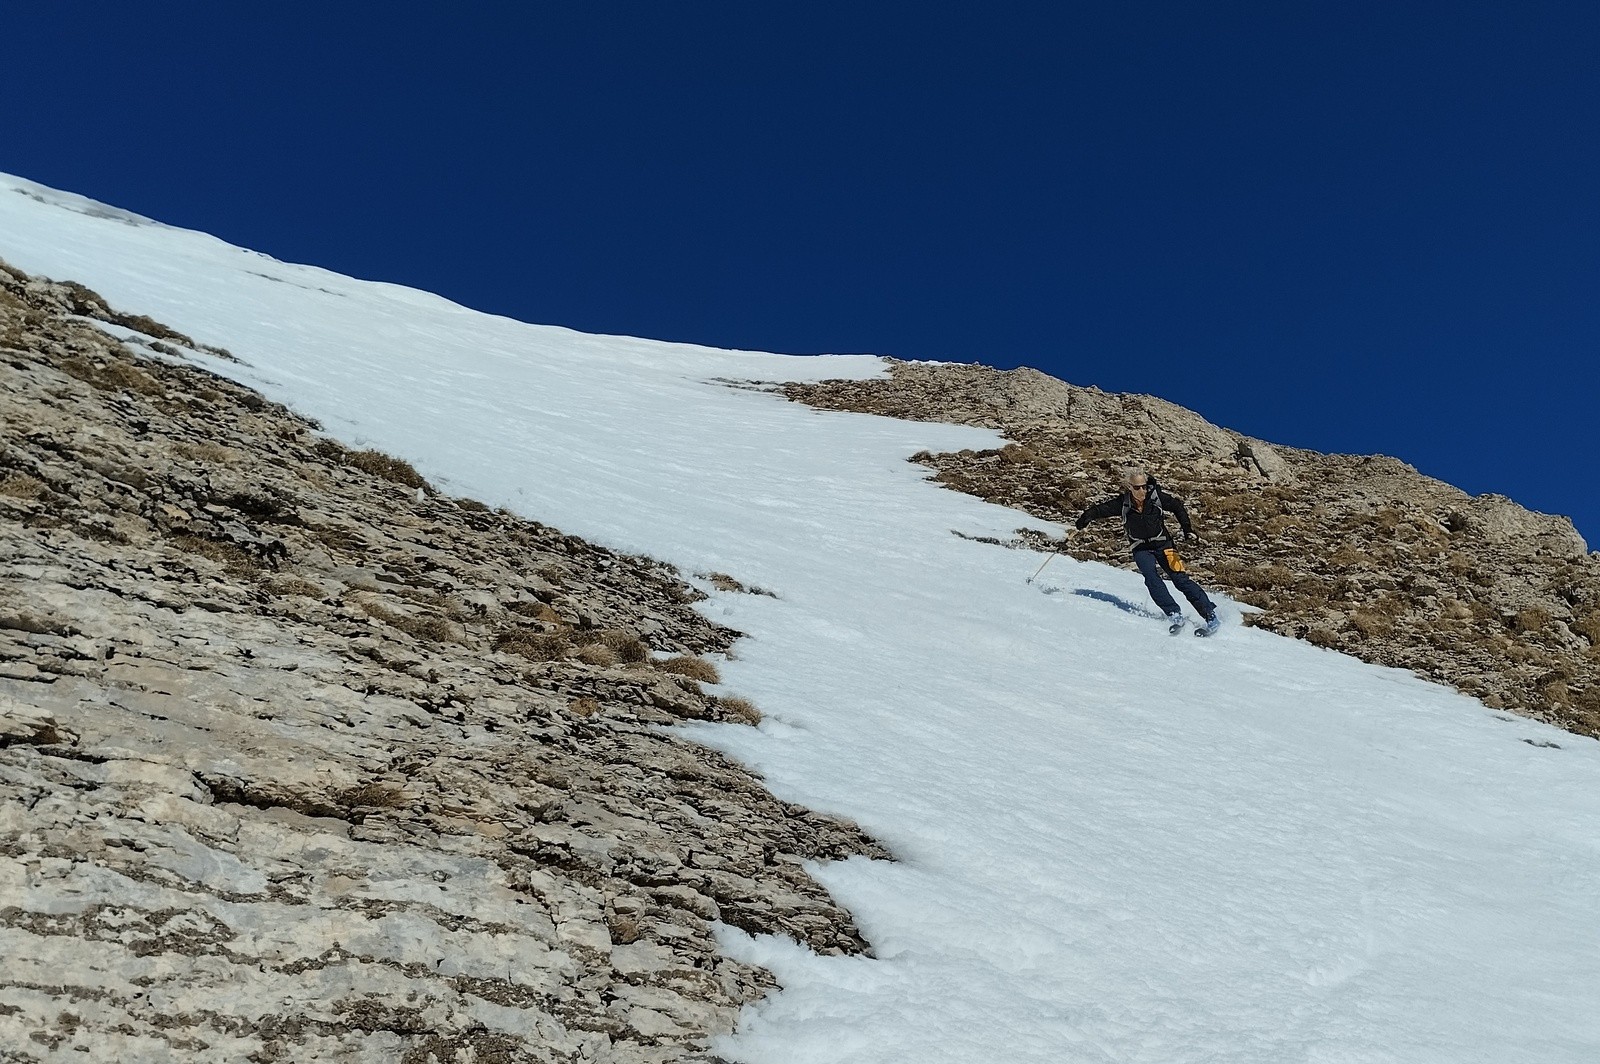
1145 528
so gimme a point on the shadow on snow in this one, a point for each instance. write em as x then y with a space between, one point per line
1107 597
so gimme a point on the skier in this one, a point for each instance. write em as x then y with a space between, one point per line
1141 507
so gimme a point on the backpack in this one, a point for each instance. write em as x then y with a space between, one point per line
1152 501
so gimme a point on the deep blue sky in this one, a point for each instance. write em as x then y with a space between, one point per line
1351 226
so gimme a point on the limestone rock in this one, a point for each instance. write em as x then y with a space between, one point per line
276 785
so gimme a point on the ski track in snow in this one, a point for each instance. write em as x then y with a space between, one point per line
1114 845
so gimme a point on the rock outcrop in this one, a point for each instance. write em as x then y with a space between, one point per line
1358 553
301 760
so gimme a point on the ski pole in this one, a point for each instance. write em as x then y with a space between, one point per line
1050 559
1036 573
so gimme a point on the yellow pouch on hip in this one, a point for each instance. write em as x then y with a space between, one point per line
1174 562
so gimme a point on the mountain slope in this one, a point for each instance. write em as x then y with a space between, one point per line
302 760
1359 553
1111 845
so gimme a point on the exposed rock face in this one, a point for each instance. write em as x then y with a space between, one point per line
300 760
1361 554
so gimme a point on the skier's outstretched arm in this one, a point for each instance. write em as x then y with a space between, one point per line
1100 511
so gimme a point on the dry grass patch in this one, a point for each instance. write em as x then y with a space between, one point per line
627 645
1388 605
583 707
1017 454
1238 504
724 582
533 644
740 710
1372 625
90 304
236 560
694 668
1277 526
538 611
1388 519
1557 693
340 539
1271 577
294 585
374 796
378 464
1519 653
113 376
388 467
214 453
22 486
625 928
1532 619
429 627
1310 592
597 654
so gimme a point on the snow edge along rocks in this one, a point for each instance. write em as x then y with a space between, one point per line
1356 553
279 723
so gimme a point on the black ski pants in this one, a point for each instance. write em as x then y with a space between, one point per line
1152 563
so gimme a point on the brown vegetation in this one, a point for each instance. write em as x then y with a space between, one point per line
597 654
724 582
1356 553
372 462
533 644
628 646
739 710
694 668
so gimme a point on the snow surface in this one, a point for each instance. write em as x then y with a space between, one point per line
1114 845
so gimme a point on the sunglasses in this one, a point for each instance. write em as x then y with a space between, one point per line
1138 487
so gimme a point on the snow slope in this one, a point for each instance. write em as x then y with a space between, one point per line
1115 845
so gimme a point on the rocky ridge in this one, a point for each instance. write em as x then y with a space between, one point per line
1361 554
303 760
